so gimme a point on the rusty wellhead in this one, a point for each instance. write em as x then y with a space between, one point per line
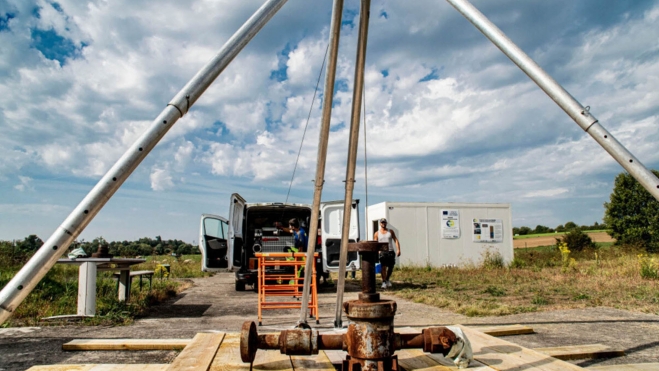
370 340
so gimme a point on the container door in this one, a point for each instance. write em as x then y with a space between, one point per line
236 238
213 242
331 228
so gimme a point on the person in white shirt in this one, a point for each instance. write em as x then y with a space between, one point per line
387 258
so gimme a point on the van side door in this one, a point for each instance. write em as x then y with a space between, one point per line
331 231
236 238
213 234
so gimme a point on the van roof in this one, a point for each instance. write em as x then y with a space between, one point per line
278 204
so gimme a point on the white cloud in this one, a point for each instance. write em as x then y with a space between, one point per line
25 184
546 193
161 179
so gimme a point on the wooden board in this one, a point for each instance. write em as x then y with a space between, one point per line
632 367
228 358
503 355
199 354
504 330
411 358
587 351
104 367
318 362
126 344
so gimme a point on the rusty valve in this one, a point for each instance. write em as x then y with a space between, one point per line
438 340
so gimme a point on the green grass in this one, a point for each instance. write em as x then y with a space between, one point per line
57 293
521 237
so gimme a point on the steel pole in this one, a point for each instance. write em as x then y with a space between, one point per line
355 119
556 92
328 97
43 260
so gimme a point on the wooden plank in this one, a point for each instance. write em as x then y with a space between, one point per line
228 358
503 355
134 367
101 367
317 362
126 344
199 354
504 330
335 356
411 359
61 368
630 367
587 351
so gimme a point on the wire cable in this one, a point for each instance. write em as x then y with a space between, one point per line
365 167
307 124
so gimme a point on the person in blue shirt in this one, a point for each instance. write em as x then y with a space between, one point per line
299 234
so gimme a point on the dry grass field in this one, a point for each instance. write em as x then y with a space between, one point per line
538 280
551 240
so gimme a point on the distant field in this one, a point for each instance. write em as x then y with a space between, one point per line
551 234
547 239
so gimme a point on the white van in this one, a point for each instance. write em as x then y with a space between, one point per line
229 244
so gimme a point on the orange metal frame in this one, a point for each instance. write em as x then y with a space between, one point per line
285 285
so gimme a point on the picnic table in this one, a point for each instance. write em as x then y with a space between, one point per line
87 280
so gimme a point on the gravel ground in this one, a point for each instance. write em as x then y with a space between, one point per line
213 305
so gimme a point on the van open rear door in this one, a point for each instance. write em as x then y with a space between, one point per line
213 234
331 214
236 238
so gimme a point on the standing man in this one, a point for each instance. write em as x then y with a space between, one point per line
387 258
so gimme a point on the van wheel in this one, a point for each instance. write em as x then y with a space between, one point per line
256 287
240 286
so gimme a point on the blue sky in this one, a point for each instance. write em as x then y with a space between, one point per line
449 118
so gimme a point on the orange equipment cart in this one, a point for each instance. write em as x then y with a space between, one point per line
285 280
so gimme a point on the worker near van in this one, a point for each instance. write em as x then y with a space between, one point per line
299 234
387 258
300 242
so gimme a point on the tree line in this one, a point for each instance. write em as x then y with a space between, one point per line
567 227
20 249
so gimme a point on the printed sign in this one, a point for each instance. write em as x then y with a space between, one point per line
450 224
488 230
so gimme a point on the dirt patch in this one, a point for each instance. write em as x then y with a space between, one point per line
551 240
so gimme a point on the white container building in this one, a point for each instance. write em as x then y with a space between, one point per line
445 234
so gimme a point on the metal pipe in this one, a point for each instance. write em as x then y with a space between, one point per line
556 92
43 260
328 97
360 63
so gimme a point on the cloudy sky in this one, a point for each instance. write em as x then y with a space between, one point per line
449 118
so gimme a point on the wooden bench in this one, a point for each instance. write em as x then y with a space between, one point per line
132 274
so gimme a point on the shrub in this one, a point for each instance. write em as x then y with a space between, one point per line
576 240
649 269
492 259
